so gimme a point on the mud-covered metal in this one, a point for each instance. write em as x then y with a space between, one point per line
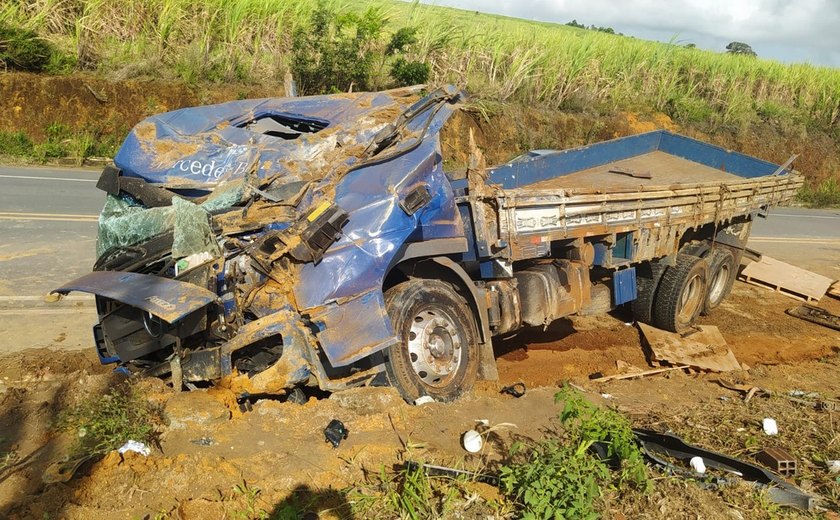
308 202
288 215
169 300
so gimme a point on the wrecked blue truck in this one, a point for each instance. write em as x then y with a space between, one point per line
319 241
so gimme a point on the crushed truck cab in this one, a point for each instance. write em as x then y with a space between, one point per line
318 241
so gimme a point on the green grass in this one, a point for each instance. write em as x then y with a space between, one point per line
102 423
493 56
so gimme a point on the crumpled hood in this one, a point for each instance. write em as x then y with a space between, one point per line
297 139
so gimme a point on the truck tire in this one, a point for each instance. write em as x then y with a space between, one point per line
647 280
722 270
438 350
681 293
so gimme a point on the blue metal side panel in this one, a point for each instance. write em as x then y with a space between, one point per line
549 166
345 287
624 285
715 156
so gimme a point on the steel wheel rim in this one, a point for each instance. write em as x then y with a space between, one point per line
434 347
719 284
690 298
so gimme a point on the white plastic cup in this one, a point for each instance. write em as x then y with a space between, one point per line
472 441
770 426
697 464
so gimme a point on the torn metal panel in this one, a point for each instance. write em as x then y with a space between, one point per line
169 300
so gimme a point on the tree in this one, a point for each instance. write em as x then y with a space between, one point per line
740 48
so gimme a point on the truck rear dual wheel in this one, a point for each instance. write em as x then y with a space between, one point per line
681 294
647 280
722 271
438 352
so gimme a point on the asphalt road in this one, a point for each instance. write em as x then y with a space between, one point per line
47 227
48 236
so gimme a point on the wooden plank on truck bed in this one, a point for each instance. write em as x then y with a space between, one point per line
786 279
703 348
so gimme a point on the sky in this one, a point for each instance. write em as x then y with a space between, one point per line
785 30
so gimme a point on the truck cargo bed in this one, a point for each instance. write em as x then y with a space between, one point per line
671 160
664 170
648 190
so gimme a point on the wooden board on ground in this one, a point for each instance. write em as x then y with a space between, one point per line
786 279
834 290
704 348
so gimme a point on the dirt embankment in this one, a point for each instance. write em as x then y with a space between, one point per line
32 103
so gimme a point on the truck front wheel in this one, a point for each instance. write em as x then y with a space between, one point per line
681 294
438 350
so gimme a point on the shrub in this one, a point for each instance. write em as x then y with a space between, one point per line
24 50
560 478
15 143
407 72
334 52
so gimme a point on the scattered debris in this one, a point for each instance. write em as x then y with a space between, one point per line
424 399
335 432
64 470
607 396
778 460
697 465
816 315
655 445
516 390
786 279
602 379
631 173
203 441
749 391
442 471
833 466
472 441
244 402
136 447
769 426
703 348
803 393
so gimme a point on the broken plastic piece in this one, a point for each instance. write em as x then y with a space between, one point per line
424 399
770 427
516 389
654 445
697 465
136 447
472 441
335 432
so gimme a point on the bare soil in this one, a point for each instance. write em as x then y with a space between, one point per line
277 450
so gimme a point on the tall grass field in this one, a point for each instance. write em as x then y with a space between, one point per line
496 57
